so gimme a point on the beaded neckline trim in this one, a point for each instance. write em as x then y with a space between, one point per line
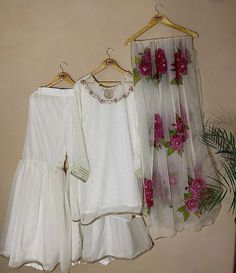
91 93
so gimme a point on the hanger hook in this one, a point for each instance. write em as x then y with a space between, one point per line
63 62
158 4
109 48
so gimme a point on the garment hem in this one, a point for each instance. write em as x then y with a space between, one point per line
113 257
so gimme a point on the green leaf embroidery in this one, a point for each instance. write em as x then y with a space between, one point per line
170 151
174 81
137 60
185 212
180 81
136 75
187 195
166 144
172 133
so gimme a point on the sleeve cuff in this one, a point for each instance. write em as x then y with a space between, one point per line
80 173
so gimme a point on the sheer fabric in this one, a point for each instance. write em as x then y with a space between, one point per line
37 229
169 106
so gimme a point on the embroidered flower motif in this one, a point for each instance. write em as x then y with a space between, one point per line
191 204
161 64
148 192
158 131
143 62
176 142
178 135
181 59
143 65
197 192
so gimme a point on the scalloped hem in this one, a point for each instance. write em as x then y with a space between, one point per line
81 260
184 228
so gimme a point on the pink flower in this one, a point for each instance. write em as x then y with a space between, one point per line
148 192
198 184
161 62
148 184
183 136
194 192
176 142
145 69
145 65
180 65
180 126
147 55
192 204
158 129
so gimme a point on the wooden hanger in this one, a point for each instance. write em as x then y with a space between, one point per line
160 19
62 76
109 62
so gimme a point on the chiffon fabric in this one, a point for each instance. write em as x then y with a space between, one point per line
108 205
91 212
37 229
176 168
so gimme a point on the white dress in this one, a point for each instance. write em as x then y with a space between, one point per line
106 207
101 145
37 229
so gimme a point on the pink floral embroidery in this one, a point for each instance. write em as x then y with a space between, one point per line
161 63
143 62
191 204
143 65
196 193
148 192
176 142
178 135
158 131
181 60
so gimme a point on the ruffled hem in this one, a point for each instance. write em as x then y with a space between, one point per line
110 237
38 220
194 226
31 263
105 260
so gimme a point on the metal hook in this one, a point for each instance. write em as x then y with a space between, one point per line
109 48
63 62
158 4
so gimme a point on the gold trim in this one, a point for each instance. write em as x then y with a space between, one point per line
107 214
115 257
84 261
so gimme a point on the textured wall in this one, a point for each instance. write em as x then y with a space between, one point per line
35 36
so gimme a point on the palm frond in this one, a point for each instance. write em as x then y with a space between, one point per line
222 142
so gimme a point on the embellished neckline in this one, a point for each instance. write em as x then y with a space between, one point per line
102 89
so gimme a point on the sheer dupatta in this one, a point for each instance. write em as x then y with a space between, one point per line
169 105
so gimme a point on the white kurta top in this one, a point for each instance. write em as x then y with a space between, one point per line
110 129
